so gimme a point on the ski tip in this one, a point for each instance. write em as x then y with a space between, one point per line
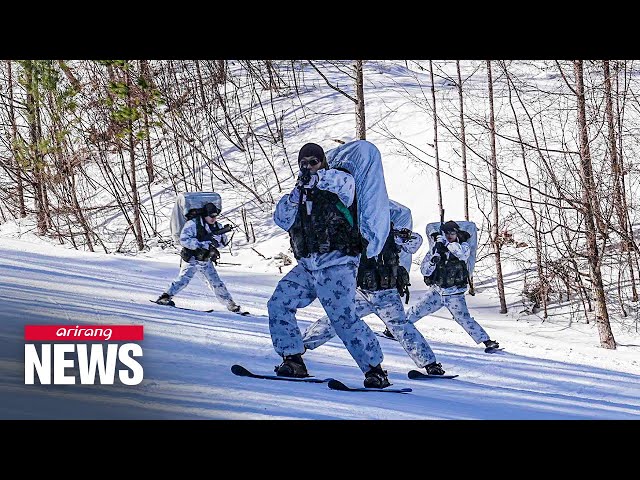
240 370
337 385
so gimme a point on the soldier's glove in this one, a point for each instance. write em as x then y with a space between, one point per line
214 254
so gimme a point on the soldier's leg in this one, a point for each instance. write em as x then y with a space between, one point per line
187 271
430 303
216 284
389 308
457 305
336 287
295 290
321 331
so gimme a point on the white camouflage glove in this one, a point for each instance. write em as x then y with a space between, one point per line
313 182
443 240
294 196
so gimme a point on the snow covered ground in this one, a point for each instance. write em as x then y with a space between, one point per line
551 370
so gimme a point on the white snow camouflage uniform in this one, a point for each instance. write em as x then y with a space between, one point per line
330 277
386 304
451 297
188 239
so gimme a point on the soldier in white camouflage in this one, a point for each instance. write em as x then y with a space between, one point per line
200 238
321 219
381 282
445 271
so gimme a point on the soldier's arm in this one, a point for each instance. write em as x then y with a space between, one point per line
189 236
285 213
426 267
460 250
412 244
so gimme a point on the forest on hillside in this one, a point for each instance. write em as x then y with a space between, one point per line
542 148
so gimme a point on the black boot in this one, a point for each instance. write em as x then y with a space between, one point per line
292 366
434 369
387 333
376 377
165 299
491 344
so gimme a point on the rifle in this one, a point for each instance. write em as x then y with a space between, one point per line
226 229
305 177
438 247
403 233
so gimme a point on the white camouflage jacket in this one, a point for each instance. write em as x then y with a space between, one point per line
460 250
335 181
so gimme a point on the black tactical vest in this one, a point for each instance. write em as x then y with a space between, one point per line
384 271
203 236
330 226
451 272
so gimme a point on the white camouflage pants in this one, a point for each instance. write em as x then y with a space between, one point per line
456 304
387 305
335 288
211 277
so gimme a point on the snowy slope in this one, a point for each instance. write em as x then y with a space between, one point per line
548 371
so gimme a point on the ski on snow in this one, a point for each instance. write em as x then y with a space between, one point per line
492 350
332 383
196 310
243 372
417 375
337 385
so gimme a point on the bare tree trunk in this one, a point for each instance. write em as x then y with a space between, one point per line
361 126
542 281
435 139
618 203
630 243
221 72
494 195
613 152
145 73
463 145
37 160
22 211
589 198
146 76
135 198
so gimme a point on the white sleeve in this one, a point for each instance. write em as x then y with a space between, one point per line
460 250
412 245
285 213
189 236
338 182
426 267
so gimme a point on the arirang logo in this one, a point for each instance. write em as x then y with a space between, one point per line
66 363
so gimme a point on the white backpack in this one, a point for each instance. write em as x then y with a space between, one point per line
186 202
